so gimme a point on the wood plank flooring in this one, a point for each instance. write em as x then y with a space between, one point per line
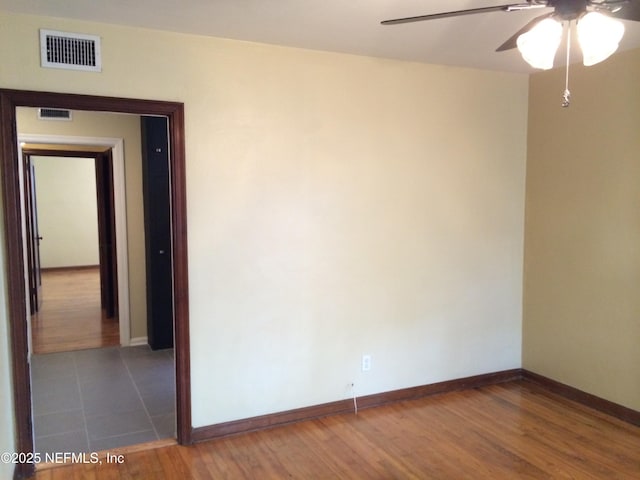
71 317
506 431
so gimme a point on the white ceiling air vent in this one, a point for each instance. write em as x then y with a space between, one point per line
54 114
70 51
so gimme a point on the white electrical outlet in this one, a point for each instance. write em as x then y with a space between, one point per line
366 363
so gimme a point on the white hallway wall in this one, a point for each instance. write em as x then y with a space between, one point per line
67 211
337 205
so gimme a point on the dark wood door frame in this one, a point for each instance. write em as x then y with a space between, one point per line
33 234
107 234
15 268
106 221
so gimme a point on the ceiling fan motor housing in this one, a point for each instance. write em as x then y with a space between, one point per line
569 9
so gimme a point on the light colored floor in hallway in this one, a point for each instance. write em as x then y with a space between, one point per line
70 317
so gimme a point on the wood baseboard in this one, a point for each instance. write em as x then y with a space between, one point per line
438 388
71 269
262 422
597 403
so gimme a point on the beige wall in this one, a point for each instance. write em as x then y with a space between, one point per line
127 127
582 255
67 211
337 205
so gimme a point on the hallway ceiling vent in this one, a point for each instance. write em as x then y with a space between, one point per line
70 51
54 114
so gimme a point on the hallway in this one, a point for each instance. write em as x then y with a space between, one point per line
70 317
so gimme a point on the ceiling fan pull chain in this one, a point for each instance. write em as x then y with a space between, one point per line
566 96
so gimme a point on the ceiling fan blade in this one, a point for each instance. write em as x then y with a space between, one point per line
513 40
630 11
457 13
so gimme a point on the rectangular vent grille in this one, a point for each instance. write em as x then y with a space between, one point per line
54 114
71 51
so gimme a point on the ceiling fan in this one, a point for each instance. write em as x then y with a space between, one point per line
599 33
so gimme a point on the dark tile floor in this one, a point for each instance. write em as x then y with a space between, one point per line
93 400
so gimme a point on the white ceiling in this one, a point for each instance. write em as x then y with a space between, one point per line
350 26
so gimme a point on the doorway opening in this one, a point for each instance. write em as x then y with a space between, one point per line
16 269
71 245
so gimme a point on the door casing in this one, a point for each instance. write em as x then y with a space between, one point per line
105 194
32 235
116 145
17 300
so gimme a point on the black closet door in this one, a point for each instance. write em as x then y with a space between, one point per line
157 223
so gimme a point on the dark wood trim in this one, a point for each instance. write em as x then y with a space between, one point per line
597 403
262 422
181 274
457 384
344 406
70 269
15 269
210 432
26 98
107 237
16 294
106 219
32 237
43 152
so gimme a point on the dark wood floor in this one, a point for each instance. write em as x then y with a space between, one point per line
508 431
70 317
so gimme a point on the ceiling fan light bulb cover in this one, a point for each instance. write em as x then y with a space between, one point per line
539 45
599 36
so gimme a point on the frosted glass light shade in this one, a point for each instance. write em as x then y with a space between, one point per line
538 46
599 36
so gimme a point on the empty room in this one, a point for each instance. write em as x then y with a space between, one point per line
364 239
